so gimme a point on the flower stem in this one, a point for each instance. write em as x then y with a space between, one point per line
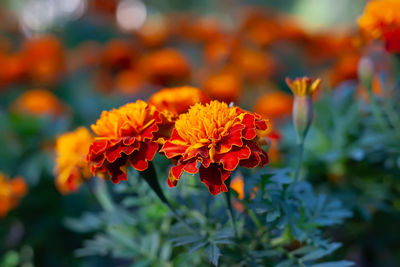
299 160
229 206
150 176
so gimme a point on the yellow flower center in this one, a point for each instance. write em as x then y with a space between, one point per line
205 123
137 116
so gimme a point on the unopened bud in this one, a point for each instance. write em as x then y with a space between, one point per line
302 89
366 72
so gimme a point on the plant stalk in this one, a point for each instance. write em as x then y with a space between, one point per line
150 176
229 206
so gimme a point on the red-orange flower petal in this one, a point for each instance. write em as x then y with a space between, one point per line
218 138
127 135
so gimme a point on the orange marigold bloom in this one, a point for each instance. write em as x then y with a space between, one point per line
11 191
381 20
38 102
128 82
219 138
237 184
178 99
44 57
345 69
71 167
379 17
165 66
155 31
117 54
225 86
12 68
274 104
127 135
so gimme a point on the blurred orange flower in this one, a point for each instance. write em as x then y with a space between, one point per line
38 102
71 168
11 192
381 20
237 184
128 82
219 138
154 32
12 68
127 135
255 65
178 99
44 57
117 54
275 104
346 68
225 86
165 66
217 50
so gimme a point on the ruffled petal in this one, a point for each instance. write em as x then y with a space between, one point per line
214 177
231 159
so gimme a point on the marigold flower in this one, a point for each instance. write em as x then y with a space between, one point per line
11 191
254 64
379 17
219 138
44 57
155 31
274 104
12 68
128 82
380 20
127 135
71 167
302 89
38 102
237 184
178 99
165 66
117 54
225 86
345 69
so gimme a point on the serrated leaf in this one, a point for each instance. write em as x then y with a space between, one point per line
213 253
334 264
183 240
286 263
272 215
197 246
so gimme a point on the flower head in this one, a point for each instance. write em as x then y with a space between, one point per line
178 99
165 66
219 138
379 17
302 89
224 86
303 86
11 191
38 102
127 135
274 104
44 57
71 167
381 20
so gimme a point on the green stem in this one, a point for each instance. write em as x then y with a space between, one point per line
376 111
299 160
150 176
229 206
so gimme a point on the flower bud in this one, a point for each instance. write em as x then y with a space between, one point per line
365 72
302 89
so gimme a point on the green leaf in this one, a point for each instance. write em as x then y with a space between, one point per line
334 264
213 254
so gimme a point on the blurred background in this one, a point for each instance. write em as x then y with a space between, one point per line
64 61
